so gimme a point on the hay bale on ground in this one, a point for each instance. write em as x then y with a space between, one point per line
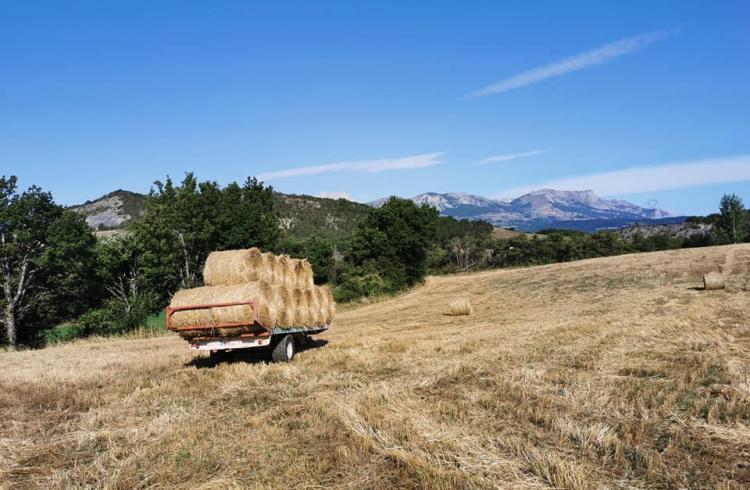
713 280
460 307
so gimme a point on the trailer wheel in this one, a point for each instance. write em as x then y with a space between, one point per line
284 350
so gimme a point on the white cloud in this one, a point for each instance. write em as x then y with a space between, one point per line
596 56
635 180
511 156
363 166
337 195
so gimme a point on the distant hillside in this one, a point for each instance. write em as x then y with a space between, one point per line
300 216
686 229
545 208
613 224
112 211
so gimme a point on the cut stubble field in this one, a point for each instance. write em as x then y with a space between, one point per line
613 372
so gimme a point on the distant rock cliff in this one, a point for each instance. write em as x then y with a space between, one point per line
113 210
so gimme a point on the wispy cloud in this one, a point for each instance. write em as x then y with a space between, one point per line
510 156
596 56
635 180
362 166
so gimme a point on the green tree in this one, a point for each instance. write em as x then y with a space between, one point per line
460 244
183 223
177 231
46 262
67 270
391 244
129 300
247 216
316 249
731 226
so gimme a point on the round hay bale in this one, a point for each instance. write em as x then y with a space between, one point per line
271 265
301 307
303 274
312 307
460 307
259 291
230 267
713 280
284 306
321 302
285 274
331 313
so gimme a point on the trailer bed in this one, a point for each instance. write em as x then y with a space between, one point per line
249 341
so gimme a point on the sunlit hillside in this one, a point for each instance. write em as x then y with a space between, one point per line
613 372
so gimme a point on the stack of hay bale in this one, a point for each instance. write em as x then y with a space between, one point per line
281 287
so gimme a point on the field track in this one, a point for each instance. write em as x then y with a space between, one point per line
616 372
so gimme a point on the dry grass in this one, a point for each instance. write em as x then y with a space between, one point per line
614 372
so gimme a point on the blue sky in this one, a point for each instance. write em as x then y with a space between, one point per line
490 98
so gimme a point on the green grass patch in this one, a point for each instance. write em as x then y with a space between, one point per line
157 322
65 332
70 331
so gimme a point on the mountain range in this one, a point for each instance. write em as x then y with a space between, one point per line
301 214
544 208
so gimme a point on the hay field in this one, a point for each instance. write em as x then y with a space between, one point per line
606 373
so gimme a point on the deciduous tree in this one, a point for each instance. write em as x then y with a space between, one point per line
46 261
731 226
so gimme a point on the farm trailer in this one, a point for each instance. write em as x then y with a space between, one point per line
283 342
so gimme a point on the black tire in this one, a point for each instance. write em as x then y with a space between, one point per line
284 350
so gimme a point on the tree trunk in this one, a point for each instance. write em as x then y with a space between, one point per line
9 322
186 272
13 300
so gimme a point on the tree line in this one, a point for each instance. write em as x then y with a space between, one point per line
53 270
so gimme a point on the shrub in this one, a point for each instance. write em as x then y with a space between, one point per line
355 284
62 333
99 321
